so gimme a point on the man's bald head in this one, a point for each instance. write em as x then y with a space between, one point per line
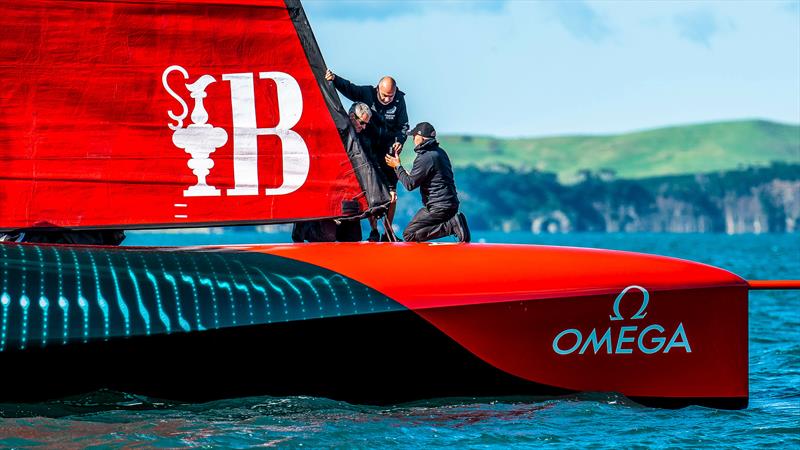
387 88
388 83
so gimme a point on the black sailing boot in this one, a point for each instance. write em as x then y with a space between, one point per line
461 228
374 236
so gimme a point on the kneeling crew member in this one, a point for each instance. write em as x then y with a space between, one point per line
433 174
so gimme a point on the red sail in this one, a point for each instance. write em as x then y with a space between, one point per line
161 114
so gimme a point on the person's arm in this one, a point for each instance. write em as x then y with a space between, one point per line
419 173
398 137
402 119
353 92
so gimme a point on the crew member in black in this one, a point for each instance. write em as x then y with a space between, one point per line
330 230
433 174
387 129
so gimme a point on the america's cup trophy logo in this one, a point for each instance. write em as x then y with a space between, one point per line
200 138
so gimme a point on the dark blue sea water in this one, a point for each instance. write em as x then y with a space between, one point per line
109 419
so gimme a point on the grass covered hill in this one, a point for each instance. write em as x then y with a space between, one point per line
665 151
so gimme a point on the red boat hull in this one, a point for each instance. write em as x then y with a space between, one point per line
531 311
338 320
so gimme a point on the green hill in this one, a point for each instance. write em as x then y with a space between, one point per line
664 151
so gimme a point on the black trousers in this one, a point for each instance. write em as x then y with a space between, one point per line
327 231
429 224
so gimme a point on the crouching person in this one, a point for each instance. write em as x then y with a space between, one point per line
433 174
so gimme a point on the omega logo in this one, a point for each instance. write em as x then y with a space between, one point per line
626 339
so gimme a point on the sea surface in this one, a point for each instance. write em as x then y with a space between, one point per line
603 420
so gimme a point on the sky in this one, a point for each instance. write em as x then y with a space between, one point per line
538 68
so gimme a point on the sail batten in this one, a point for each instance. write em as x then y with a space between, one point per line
148 114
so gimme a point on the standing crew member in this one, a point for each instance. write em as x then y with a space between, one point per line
387 130
433 174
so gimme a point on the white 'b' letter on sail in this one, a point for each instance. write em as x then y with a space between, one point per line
296 160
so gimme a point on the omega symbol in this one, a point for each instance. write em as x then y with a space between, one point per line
639 314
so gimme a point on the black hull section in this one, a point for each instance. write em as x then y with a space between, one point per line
370 359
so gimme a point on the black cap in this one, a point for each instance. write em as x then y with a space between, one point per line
423 129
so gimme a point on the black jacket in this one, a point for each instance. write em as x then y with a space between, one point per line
392 119
433 174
